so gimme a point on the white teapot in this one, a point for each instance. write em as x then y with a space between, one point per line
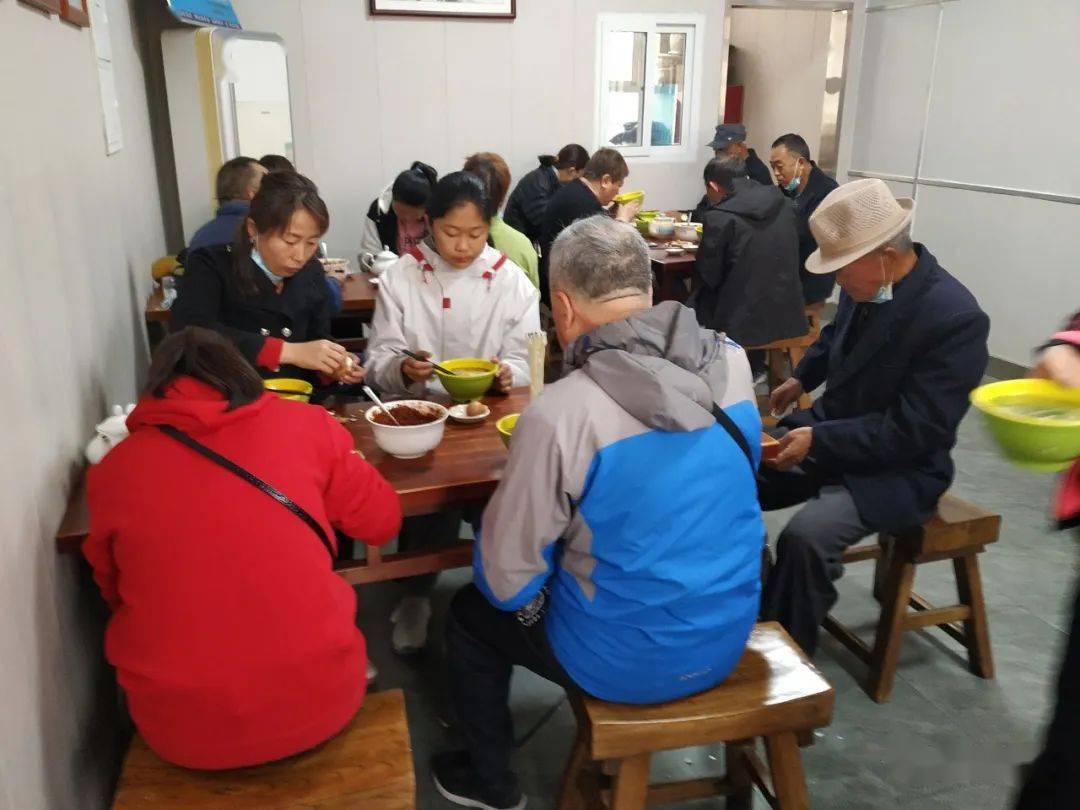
379 263
110 432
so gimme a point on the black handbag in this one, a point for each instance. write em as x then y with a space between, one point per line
254 480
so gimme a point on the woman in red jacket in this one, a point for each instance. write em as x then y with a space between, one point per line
233 638
1053 780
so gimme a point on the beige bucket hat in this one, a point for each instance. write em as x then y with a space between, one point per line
853 220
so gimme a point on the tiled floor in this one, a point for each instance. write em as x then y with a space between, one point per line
946 739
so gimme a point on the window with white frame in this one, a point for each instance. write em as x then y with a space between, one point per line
650 71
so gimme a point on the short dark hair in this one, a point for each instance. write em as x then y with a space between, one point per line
458 188
234 177
723 172
206 356
413 186
606 161
277 163
494 174
280 196
794 144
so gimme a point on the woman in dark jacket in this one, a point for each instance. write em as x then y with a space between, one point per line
395 219
526 206
234 640
267 292
1053 779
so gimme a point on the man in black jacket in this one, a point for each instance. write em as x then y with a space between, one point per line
747 268
589 194
807 185
906 349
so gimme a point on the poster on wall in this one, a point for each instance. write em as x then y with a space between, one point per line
492 9
205 12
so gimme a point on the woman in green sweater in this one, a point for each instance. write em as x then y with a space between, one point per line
495 175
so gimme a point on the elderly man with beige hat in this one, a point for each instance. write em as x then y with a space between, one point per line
907 346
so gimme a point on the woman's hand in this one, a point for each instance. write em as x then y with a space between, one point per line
504 377
415 371
1061 364
783 395
352 372
323 356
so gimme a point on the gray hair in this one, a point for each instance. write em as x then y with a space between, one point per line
901 243
600 258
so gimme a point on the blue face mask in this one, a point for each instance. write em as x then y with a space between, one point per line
260 262
795 181
884 293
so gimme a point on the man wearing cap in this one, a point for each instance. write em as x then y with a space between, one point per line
907 346
730 139
730 143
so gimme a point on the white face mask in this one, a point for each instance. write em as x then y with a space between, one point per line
793 184
884 293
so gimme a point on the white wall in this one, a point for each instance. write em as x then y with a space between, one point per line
779 57
372 95
990 111
77 233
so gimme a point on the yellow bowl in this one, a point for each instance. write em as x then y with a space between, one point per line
1036 423
506 426
467 387
629 196
289 388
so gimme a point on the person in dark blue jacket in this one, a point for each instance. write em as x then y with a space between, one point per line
237 183
906 348
621 554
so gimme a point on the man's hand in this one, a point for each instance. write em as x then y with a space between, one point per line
794 448
627 211
417 370
1061 364
504 377
783 395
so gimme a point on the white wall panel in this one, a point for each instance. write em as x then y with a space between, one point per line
1017 255
897 54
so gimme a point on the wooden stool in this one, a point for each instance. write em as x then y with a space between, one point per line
792 350
958 531
368 764
774 692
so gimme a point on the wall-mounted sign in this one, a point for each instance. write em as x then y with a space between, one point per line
495 9
205 12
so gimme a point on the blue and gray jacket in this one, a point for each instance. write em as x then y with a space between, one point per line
635 509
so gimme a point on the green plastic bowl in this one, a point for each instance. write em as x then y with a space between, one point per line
506 426
1035 442
467 387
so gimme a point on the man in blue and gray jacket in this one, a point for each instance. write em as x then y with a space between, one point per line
621 554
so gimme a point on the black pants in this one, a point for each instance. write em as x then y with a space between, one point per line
799 591
1053 782
483 645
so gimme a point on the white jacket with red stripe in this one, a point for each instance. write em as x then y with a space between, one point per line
484 310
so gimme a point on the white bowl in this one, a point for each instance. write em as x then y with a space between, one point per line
661 226
412 441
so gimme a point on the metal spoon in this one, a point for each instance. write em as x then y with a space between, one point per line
377 401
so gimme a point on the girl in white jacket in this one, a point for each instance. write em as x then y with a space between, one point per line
452 296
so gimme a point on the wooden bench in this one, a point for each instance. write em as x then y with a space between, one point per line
958 531
774 693
791 350
369 764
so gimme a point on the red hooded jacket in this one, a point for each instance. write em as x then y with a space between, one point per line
233 638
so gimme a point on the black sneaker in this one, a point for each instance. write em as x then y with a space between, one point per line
456 780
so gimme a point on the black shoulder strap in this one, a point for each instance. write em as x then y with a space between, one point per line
728 424
252 479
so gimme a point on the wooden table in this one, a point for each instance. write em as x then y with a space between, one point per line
357 295
464 469
670 271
